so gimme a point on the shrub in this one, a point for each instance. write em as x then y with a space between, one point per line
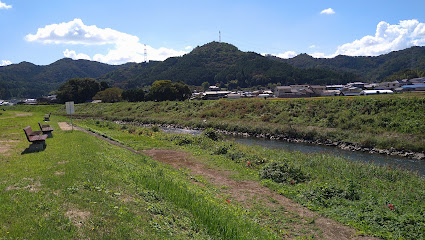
211 134
155 128
281 172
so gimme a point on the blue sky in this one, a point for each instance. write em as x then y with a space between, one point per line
116 32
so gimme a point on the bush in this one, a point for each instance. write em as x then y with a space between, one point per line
211 134
155 128
281 172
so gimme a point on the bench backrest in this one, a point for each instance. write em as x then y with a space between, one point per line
28 132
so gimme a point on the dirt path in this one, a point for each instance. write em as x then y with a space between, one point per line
244 191
17 115
65 126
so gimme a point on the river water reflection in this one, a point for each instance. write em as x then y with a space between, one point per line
414 165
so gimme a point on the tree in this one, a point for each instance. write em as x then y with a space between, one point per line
205 86
78 90
104 85
183 91
163 90
109 95
133 95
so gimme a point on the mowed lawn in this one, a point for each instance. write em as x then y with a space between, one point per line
81 187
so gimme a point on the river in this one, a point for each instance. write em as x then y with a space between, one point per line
413 165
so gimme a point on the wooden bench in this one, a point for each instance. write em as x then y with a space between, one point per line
35 137
45 128
47 117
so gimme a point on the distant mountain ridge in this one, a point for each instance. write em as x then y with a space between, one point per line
29 80
222 64
217 63
369 69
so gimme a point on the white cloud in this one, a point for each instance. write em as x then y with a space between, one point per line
321 55
387 38
126 47
328 11
4 5
5 63
76 32
288 54
312 46
188 48
72 54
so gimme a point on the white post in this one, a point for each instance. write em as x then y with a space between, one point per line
70 110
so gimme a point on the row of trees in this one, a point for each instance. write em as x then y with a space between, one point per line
81 90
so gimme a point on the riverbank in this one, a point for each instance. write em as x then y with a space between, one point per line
392 125
386 202
339 144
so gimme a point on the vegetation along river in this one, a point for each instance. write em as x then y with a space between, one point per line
396 161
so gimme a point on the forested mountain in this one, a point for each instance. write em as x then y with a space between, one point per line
28 80
216 63
370 69
222 64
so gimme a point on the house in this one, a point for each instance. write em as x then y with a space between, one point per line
416 87
214 88
214 95
372 92
317 89
351 91
357 85
334 87
234 96
282 91
30 101
294 91
299 87
417 80
329 93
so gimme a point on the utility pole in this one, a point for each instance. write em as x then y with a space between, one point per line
219 36
145 55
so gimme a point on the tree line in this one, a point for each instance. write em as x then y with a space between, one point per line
82 90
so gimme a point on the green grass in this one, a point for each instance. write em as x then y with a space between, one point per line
81 187
356 194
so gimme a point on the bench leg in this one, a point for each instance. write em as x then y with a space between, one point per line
38 146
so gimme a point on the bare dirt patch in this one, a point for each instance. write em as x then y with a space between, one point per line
17 115
23 114
34 186
5 148
57 173
77 217
244 192
62 162
65 126
6 145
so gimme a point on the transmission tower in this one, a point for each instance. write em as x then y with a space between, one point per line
145 55
219 36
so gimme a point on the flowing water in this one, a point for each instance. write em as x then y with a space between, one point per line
411 164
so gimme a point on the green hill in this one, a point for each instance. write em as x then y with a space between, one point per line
370 69
225 65
28 80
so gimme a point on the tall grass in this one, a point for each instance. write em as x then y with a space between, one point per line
382 201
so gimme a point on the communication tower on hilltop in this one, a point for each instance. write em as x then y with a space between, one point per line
145 55
219 36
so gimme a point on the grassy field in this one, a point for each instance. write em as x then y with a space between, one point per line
81 187
385 121
381 201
